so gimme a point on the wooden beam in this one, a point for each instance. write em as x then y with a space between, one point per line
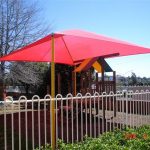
86 64
97 66
74 88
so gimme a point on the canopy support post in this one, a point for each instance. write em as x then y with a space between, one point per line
52 106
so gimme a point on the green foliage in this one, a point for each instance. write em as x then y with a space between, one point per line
126 139
45 147
132 80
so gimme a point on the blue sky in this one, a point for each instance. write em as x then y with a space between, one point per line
127 20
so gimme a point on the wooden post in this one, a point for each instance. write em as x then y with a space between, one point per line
90 78
104 99
81 83
103 83
53 124
97 85
74 86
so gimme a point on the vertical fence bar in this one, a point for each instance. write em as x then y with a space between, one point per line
113 108
116 103
149 107
90 116
72 118
26 125
5 126
62 121
58 115
12 124
94 116
39 123
130 103
146 104
126 96
140 113
98 100
138 97
144 107
33 123
56 107
67 115
68 112
19 117
77 136
141 94
120 109
81 118
97 131
112 95
110 109
103 114
123 109
106 109
86 115
133 108
136 107
45 121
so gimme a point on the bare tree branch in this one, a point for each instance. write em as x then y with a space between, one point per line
19 26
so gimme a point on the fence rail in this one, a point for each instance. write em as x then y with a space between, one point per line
26 124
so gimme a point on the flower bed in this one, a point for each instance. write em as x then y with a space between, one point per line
127 139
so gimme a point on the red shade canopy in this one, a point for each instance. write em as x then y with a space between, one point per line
73 46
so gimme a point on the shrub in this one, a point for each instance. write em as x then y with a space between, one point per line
126 139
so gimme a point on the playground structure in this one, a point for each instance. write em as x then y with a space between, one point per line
91 80
90 83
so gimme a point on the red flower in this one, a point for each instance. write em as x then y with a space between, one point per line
130 136
133 136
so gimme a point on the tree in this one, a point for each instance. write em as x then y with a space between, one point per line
27 74
133 78
19 26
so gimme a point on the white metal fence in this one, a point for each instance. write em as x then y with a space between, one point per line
26 124
133 88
